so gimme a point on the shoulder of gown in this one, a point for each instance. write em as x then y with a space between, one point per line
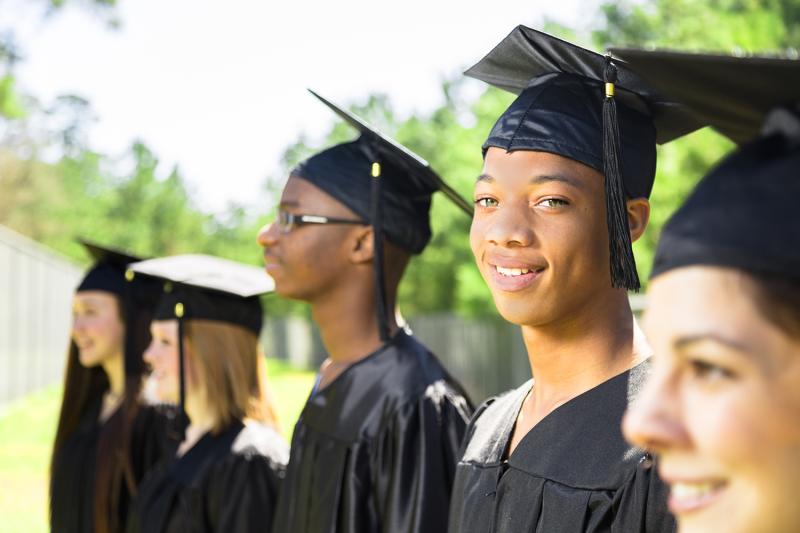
402 373
239 492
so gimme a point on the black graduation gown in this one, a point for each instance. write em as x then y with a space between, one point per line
73 475
376 449
573 472
226 482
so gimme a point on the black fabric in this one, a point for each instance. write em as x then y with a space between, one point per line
560 105
208 288
199 304
376 449
732 94
573 472
225 483
345 172
563 114
107 274
73 475
742 215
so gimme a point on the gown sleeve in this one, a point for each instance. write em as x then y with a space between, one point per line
240 494
414 462
641 504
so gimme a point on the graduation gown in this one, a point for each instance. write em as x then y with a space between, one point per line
573 472
73 475
226 482
376 449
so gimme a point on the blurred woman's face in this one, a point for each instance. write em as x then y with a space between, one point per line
97 328
163 357
722 407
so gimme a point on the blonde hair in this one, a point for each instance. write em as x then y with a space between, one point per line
228 361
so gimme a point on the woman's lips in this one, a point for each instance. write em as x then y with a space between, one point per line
514 277
688 496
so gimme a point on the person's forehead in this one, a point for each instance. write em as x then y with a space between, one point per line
93 298
698 300
532 166
304 195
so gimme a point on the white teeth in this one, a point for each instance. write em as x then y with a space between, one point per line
692 491
512 271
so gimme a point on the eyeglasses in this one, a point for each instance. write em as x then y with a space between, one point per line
288 221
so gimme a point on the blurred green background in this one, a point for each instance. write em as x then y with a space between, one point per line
80 193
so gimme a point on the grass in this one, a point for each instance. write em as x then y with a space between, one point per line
27 429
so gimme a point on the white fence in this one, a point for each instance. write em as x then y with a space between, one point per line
36 287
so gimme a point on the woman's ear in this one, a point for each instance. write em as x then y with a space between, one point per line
638 216
361 247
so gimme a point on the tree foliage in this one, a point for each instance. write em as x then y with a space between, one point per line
82 193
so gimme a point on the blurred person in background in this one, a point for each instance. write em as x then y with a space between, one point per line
205 356
106 438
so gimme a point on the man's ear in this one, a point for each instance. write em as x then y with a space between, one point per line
361 245
638 216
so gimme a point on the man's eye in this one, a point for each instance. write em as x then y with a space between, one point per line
486 202
553 202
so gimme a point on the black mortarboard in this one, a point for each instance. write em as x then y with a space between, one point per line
203 287
107 274
590 108
385 184
743 214
732 94
110 273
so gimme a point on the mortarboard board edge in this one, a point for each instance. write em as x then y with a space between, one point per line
363 128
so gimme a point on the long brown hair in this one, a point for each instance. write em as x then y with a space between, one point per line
83 388
229 363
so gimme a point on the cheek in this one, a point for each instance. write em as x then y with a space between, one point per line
741 428
476 236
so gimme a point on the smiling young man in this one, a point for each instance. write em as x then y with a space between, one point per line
376 445
563 193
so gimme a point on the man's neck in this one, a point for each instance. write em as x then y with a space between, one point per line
348 324
573 355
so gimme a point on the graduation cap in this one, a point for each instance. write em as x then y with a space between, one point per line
386 185
590 108
204 287
732 94
743 213
110 273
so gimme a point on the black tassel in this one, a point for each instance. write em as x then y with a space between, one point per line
377 245
623 264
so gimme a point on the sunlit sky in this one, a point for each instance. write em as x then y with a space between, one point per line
218 88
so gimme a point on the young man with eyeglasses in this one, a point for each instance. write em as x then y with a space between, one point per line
376 445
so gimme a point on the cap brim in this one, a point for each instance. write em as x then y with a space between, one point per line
208 272
110 255
526 54
732 94
398 150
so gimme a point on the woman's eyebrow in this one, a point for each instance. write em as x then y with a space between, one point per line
484 177
687 341
547 178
